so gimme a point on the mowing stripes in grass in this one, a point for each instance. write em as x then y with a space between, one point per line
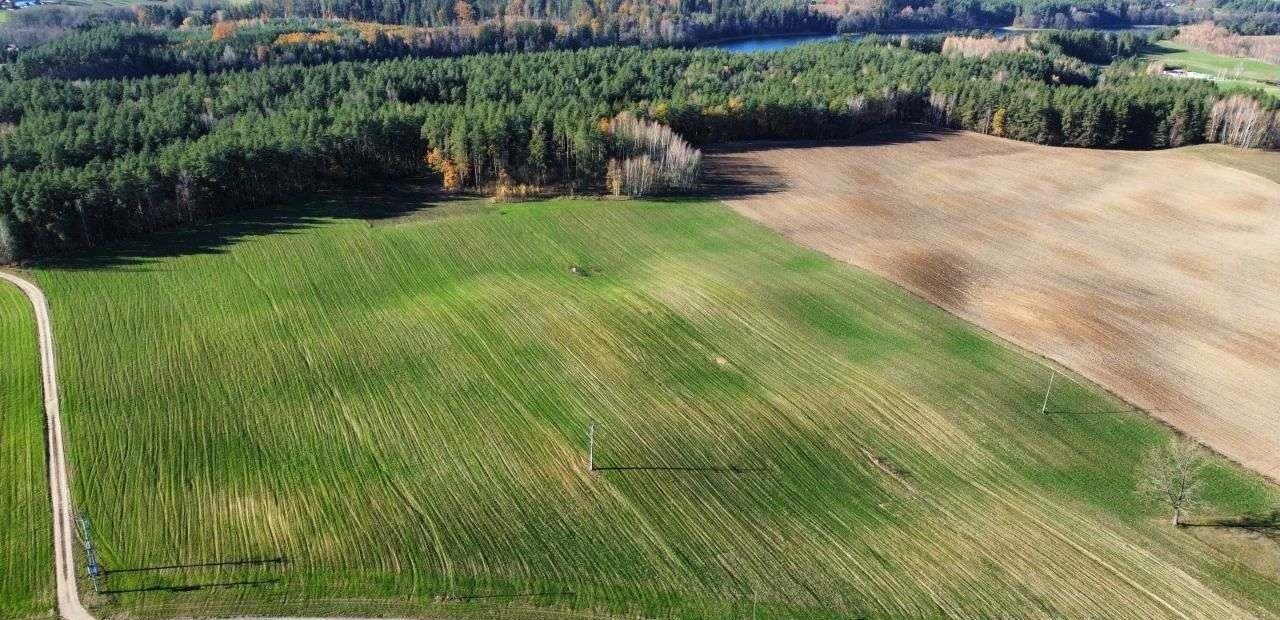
398 409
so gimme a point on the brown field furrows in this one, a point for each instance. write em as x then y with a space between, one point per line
1155 274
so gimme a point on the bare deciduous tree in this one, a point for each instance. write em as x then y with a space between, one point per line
1241 121
1210 38
9 250
1171 475
649 156
982 46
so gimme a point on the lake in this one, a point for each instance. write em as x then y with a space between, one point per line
774 43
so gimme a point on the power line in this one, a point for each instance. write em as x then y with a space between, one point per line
91 555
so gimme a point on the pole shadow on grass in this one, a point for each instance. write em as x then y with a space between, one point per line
222 564
709 469
1099 412
1084 412
194 587
513 595
373 202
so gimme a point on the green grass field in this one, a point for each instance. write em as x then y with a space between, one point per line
1251 161
393 411
1252 74
26 545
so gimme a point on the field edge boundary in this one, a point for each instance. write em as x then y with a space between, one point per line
1047 360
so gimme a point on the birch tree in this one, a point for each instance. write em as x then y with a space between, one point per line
1171 476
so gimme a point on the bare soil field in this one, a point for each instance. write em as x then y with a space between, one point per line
1155 274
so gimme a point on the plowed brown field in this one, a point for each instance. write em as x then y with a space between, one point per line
1155 274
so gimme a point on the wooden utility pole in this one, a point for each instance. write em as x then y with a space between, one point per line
1045 405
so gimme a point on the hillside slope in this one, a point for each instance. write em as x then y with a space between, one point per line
1155 274
322 413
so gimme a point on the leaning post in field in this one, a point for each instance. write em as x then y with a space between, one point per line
1044 406
591 446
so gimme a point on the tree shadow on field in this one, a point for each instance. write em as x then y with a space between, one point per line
1264 524
727 176
729 172
371 202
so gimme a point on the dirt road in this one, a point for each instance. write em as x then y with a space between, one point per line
1155 274
64 537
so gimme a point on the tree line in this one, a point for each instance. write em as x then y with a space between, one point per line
470 25
89 161
154 45
439 27
640 20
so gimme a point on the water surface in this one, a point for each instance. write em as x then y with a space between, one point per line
773 43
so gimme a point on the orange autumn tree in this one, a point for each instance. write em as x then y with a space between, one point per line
223 30
451 176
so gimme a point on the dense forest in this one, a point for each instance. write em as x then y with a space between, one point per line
584 22
639 20
88 161
453 27
651 19
473 25
1250 17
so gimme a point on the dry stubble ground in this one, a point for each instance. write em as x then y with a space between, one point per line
1156 274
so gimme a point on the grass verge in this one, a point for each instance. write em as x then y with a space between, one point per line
26 544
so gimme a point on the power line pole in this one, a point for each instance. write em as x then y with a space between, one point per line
1045 405
591 446
91 555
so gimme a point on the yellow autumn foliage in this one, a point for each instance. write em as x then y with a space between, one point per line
299 38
